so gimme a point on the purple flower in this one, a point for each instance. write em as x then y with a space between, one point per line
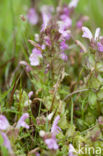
28 68
71 150
100 47
79 24
4 124
21 122
63 56
43 47
47 40
55 129
63 45
66 11
51 143
46 15
6 142
67 21
65 34
81 21
35 57
30 94
73 3
37 154
87 33
32 16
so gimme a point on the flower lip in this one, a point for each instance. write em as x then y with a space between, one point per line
35 57
97 34
55 129
87 33
46 12
6 142
21 122
100 46
73 3
32 16
51 143
4 124
71 150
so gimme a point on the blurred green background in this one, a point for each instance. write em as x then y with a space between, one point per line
14 32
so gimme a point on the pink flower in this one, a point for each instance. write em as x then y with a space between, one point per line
100 46
4 124
55 129
51 143
46 15
32 16
73 3
35 57
21 122
63 56
6 142
63 45
71 150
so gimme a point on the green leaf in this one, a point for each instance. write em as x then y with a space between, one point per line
92 99
100 95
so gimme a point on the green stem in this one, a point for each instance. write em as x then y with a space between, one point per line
72 105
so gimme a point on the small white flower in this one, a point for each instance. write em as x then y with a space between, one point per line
36 37
27 103
42 133
49 117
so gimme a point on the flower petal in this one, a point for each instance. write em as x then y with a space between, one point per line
97 33
87 33
21 122
6 142
55 129
100 46
46 15
35 57
71 150
73 3
51 143
32 16
4 124
63 56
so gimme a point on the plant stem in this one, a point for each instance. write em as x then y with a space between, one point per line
75 92
72 111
